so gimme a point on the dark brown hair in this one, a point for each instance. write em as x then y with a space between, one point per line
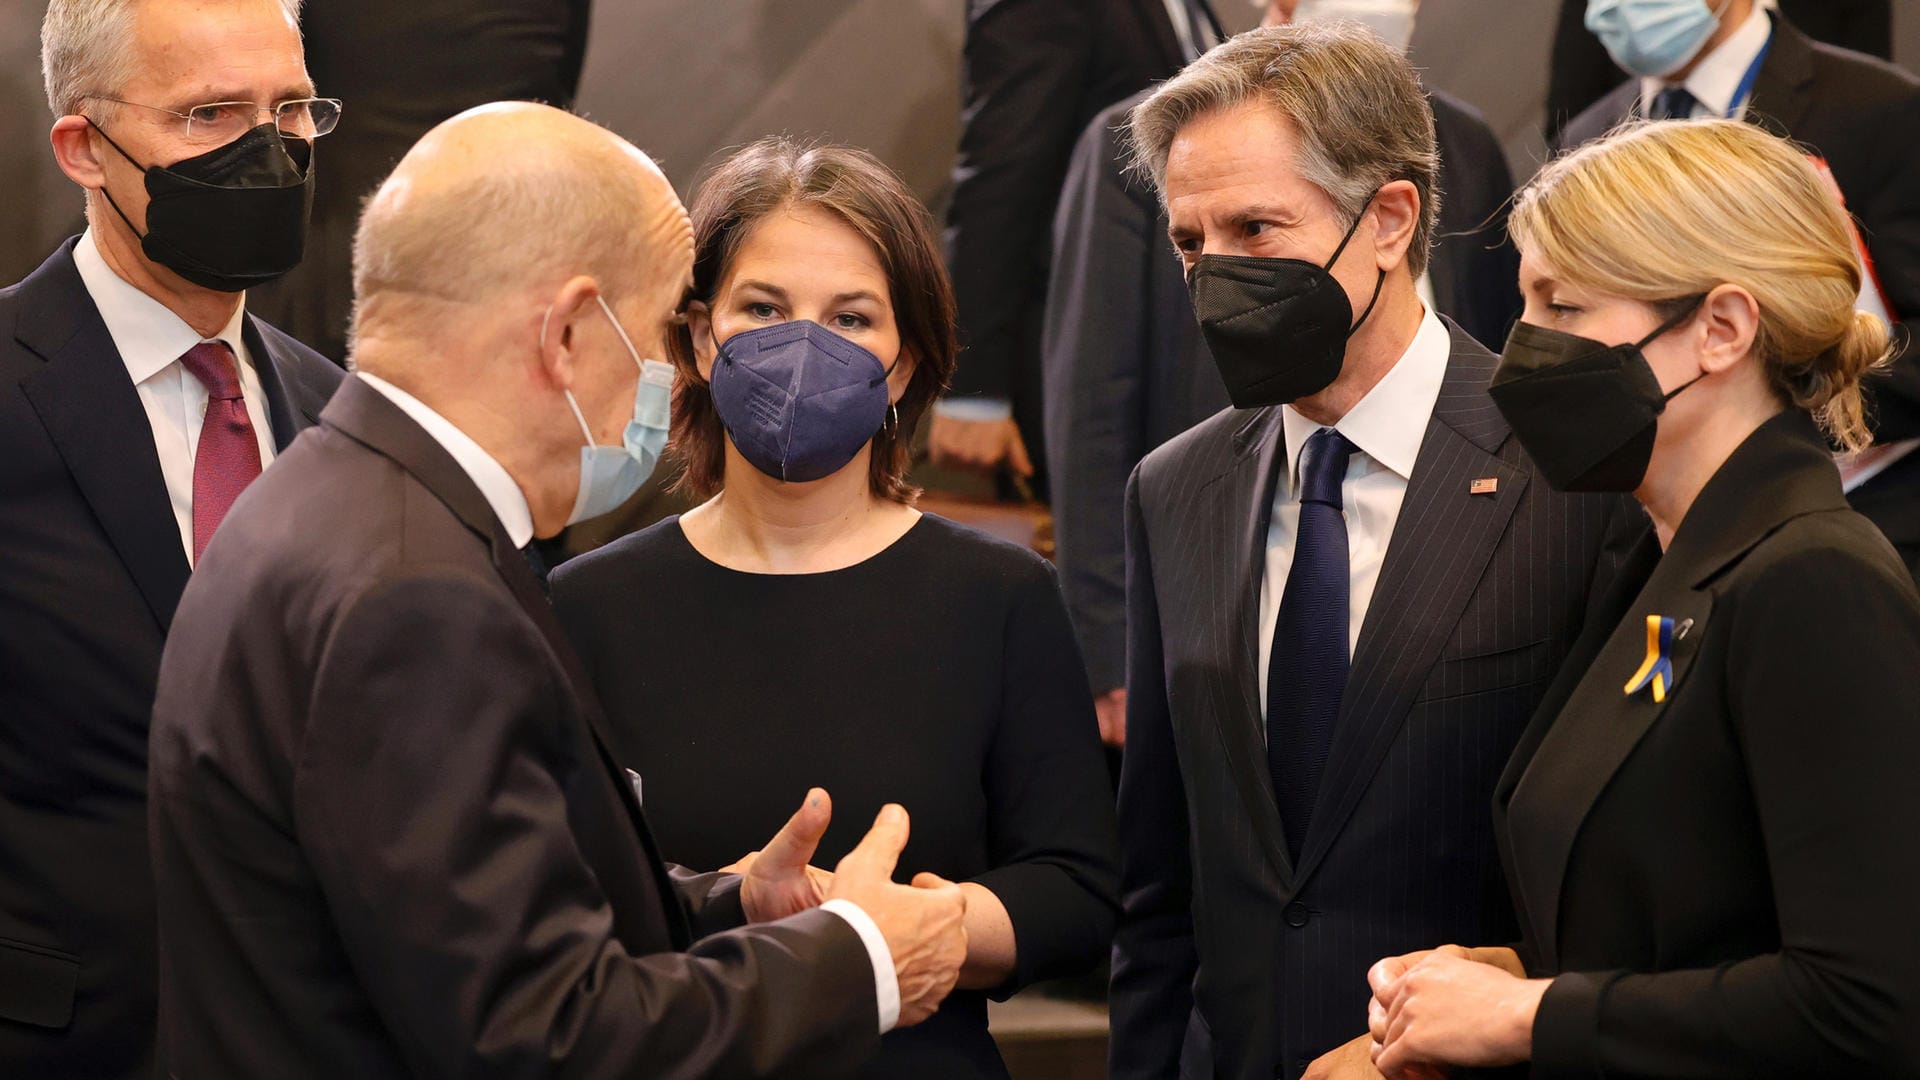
775 173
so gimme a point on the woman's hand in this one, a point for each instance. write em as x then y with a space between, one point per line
777 880
1447 1007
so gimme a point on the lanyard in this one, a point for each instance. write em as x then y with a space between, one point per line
1745 89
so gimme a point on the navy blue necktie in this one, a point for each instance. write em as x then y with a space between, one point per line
537 562
1307 669
1674 103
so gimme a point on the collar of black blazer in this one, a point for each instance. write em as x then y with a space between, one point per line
1786 462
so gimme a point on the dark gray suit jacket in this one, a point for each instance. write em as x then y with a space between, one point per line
1126 368
1230 960
93 567
388 834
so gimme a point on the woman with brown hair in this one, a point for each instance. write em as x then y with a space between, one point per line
1708 828
806 625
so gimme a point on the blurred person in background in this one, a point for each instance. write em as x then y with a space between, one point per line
406 67
1581 71
1034 72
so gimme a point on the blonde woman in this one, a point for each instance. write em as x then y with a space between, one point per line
1709 828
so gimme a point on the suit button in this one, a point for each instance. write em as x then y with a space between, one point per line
1295 914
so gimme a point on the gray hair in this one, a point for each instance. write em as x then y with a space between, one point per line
86 49
1363 119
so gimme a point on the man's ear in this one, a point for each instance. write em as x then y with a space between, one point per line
700 331
572 303
1396 210
74 150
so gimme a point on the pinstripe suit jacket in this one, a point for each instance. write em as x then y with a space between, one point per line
1232 961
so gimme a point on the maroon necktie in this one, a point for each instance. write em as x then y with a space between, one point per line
228 457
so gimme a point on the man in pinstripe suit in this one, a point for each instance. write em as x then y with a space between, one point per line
1344 597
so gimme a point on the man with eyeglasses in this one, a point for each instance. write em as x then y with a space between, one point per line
137 400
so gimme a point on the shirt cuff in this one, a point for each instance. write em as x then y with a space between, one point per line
886 984
975 409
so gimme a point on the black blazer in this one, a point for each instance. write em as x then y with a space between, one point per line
92 571
1232 961
1126 368
389 837
1724 882
1035 72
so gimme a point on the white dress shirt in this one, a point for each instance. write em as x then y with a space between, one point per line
151 340
509 504
1717 78
1386 427
501 490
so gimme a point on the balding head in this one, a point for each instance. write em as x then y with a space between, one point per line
510 199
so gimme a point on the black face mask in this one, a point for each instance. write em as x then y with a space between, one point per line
233 217
1584 411
1277 328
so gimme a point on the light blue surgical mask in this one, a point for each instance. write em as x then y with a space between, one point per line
609 475
1653 38
1391 19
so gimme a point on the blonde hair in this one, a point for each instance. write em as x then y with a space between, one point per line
1362 118
1663 212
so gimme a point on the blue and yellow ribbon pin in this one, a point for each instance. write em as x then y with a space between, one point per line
1657 669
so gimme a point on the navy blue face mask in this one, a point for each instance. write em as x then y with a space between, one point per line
798 399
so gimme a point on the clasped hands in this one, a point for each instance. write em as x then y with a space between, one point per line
1450 1006
923 923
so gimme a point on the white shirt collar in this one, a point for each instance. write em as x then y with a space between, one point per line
1389 423
495 483
147 333
1717 78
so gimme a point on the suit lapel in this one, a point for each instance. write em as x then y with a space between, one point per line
93 416
512 566
1780 100
1549 793
1603 618
1440 546
1244 506
1578 756
368 417
291 409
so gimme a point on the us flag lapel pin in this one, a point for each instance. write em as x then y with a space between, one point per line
1486 485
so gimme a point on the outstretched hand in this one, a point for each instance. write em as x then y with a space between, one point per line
778 880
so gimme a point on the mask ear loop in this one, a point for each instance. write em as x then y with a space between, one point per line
1683 316
572 402
1379 281
103 187
1686 313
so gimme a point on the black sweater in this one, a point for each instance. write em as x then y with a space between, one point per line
941 673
